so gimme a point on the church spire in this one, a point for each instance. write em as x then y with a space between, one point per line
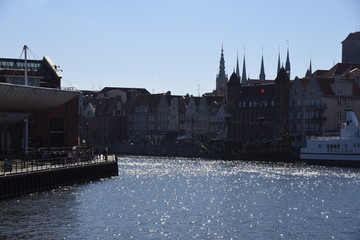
309 71
278 66
287 64
262 69
222 63
221 78
243 77
237 65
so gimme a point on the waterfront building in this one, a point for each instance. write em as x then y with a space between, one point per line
205 118
191 117
260 111
104 114
218 126
318 103
141 116
34 110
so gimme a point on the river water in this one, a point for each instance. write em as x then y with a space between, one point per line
178 198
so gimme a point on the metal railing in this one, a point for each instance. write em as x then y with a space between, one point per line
14 166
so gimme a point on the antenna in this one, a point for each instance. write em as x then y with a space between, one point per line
198 89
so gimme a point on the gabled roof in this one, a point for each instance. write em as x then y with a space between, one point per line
104 106
234 80
151 100
340 69
325 85
304 82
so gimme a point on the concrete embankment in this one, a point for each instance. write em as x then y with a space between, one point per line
15 184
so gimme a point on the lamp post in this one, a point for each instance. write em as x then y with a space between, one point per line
25 135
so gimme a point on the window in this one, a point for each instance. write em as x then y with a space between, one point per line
311 114
347 102
298 115
339 101
339 114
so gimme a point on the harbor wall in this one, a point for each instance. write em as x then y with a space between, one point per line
24 183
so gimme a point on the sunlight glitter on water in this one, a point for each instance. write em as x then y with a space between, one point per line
179 198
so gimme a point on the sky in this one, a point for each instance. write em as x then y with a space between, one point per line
163 45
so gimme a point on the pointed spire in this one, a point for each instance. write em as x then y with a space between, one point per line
237 65
262 69
309 71
287 64
222 64
221 78
278 66
243 77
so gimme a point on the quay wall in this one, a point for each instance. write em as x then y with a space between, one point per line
12 185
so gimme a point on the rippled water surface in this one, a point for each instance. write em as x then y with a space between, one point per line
177 198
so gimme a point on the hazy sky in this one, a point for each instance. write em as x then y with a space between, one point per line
175 45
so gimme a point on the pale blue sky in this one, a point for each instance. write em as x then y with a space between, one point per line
175 45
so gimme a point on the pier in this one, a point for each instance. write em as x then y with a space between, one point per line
19 177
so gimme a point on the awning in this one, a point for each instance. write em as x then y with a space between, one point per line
27 98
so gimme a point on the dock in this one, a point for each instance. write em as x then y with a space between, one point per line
23 177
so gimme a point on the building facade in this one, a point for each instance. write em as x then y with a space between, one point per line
318 104
34 111
257 112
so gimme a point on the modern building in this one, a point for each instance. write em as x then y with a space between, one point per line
34 110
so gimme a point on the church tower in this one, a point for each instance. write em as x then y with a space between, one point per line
221 78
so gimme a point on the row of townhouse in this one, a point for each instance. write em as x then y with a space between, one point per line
318 102
309 106
159 118
116 115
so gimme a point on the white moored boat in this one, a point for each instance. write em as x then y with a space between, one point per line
343 150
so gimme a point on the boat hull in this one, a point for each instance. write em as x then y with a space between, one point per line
339 160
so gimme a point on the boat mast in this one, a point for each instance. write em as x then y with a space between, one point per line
26 75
